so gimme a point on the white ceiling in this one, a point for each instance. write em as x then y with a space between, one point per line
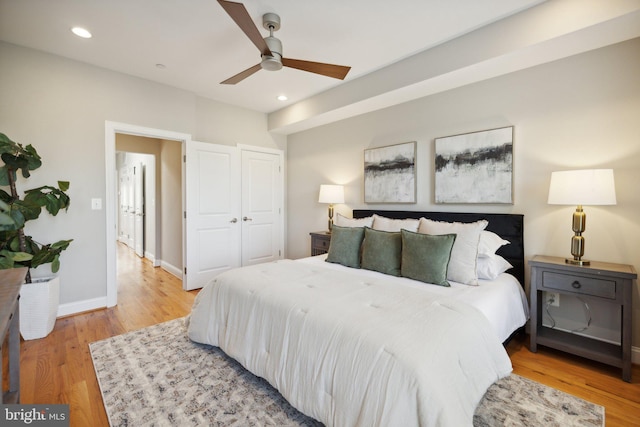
200 45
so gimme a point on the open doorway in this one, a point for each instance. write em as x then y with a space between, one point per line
148 182
164 244
138 207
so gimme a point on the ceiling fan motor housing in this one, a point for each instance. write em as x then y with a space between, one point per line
272 62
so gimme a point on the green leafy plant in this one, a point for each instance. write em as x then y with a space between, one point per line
16 248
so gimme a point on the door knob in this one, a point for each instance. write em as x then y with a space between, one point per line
246 218
234 220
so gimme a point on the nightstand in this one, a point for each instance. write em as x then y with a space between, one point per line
600 281
320 242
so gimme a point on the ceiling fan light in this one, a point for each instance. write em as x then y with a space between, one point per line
271 63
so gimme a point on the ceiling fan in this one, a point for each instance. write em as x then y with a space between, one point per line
271 48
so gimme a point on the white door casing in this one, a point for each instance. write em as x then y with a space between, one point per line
261 206
212 220
111 129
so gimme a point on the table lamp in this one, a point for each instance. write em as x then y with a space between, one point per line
581 187
331 194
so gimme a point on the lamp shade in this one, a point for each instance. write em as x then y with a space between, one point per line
582 187
331 194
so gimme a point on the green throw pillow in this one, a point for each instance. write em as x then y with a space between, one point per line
425 257
345 246
382 251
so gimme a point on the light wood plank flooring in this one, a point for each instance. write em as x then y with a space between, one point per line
58 368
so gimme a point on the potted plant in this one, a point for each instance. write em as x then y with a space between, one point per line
38 298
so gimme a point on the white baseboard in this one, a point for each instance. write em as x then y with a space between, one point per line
80 306
151 257
172 269
96 303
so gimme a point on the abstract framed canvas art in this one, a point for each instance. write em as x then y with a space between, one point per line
390 174
475 167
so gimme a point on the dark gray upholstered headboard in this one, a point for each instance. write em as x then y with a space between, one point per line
507 226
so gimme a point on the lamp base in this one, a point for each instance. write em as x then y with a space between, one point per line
330 222
577 261
577 241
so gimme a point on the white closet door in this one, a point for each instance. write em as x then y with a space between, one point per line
212 222
123 207
130 213
138 208
261 207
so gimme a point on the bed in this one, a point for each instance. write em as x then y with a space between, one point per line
356 347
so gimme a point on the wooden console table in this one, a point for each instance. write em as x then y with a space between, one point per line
10 283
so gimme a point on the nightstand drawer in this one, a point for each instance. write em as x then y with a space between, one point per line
321 244
579 284
320 241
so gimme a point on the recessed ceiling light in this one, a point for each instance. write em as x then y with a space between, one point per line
81 32
282 98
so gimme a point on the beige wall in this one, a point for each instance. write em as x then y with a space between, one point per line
60 106
579 112
171 202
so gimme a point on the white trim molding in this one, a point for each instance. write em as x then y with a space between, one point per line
171 269
81 306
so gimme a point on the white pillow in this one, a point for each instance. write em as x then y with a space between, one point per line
464 254
490 267
394 225
489 243
343 221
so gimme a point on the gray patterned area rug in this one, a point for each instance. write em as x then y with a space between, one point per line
157 377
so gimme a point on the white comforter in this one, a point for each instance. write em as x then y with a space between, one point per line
352 352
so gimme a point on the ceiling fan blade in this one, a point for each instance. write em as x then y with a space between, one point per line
239 14
329 70
241 76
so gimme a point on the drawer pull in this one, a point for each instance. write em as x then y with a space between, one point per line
576 285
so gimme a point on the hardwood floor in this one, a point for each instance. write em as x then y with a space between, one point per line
58 368
595 382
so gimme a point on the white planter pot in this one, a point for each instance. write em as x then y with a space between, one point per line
39 307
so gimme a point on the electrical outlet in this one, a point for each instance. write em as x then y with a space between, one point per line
554 297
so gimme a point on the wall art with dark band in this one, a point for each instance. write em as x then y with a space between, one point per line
475 167
390 174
